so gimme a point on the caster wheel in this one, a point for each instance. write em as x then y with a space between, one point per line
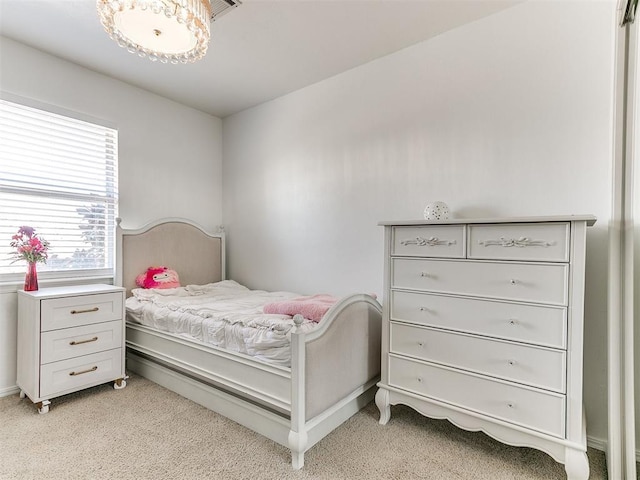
22 394
120 384
43 407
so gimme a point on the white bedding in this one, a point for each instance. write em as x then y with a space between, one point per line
224 314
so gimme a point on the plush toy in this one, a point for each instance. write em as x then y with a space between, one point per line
158 277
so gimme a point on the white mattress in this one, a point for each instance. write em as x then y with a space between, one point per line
224 314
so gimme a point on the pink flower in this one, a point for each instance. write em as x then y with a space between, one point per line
32 249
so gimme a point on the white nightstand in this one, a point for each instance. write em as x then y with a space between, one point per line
69 338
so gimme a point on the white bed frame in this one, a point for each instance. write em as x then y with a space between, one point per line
334 369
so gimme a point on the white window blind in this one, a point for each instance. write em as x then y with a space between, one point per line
58 174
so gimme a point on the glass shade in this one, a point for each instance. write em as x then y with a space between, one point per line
166 30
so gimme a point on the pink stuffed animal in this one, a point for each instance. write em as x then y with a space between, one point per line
158 277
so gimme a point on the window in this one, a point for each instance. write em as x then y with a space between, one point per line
58 174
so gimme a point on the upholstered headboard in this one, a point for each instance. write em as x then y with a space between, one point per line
179 244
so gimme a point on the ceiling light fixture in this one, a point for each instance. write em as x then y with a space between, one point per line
165 30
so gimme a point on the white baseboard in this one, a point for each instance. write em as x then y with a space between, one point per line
600 444
5 392
597 443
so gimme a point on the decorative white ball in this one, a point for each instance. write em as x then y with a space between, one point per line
436 211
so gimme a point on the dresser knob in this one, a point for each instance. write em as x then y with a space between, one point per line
419 379
510 405
513 281
421 344
424 274
513 322
511 362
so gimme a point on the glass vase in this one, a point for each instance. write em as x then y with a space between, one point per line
31 279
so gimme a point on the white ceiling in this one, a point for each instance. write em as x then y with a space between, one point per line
259 51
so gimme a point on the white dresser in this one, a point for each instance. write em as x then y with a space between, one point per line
483 325
69 338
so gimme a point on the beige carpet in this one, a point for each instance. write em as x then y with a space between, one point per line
147 432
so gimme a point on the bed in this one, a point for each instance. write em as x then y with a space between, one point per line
333 367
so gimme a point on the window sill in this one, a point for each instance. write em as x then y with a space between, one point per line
15 285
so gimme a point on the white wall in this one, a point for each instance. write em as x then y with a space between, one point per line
170 156
511 115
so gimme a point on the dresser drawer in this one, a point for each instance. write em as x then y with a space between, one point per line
429 241
547 242
80 372
529 282
72 342
80 310
528 407
526 364
536 324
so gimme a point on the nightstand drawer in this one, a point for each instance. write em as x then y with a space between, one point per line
530 282
80 310
528 407
73 342
80 372
526 364
545 242
535 324
429 241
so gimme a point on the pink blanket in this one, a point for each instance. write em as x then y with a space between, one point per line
313 307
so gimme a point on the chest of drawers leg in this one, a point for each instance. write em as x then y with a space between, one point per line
69 338
485 329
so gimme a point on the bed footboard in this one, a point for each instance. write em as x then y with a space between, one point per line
345 356
336 364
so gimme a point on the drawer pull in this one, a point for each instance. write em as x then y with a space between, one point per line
420 344
80 342
511 405
88 310
516 242
513 281
511 362
88 370
424 274
513 322
427 242
419 379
